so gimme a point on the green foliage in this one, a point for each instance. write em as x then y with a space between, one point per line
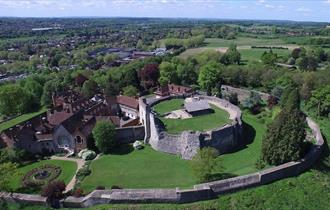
168 73
104 135
90 88
204 163
320 101
8 170
232 56
209 76
15 100
130 91
284 139
269 58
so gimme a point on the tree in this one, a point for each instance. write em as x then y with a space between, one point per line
320 101
209 76
232 56
8 170
54 192
284 139
130 91
204 163
34 88
269 58
149 75
253 102
187 74
89 88
15 100
168 73
104 135
298 52
302 63
109 58
131 78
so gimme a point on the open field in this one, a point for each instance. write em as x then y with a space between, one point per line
198 123
243 45
19 119
68 170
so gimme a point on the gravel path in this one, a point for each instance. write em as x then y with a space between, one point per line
80 164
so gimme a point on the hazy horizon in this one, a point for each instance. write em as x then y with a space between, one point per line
315 11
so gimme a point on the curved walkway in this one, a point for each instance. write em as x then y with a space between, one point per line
80 164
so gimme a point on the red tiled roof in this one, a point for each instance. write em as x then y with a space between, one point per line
58 117
128 101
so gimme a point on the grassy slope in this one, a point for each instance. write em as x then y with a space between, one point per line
242 41
199 123
19 119
68 170
243 161
140 169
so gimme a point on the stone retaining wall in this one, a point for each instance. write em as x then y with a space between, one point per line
130 134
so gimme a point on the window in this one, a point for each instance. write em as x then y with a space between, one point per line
79 140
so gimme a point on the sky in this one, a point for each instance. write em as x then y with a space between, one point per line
299 10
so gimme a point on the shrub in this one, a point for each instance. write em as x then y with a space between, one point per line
83 172
100 188
115 187
204 162
78 193
53 190
260 164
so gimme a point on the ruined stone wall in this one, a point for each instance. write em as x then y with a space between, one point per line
130 134
187 143
241 93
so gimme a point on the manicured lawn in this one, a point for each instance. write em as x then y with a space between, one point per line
168 106
68 170
140 169
22 118
243 161
199 123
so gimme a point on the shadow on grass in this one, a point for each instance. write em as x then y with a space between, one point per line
323 164
220 176
248 136
122 149
29 190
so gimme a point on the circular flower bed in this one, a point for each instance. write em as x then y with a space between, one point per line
41 175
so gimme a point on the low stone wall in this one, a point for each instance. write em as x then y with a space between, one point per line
242 94
130 134
200 192
187 143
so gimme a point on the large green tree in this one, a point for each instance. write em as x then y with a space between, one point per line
168 73
15 100
204 163
284 139
8 171
209 76
104 135
320 101
90 88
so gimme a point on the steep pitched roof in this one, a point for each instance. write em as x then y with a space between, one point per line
128 101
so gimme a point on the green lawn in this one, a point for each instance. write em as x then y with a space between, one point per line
168 106
243 161
19 119
199 123
144 168
68 170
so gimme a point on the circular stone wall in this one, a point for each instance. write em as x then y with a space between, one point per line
186 144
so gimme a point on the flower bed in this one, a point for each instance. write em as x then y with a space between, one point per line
41 175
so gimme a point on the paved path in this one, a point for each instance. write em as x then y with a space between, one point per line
80 164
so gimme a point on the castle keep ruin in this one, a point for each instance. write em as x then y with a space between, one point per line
186 144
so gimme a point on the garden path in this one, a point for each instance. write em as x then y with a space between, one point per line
80 164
